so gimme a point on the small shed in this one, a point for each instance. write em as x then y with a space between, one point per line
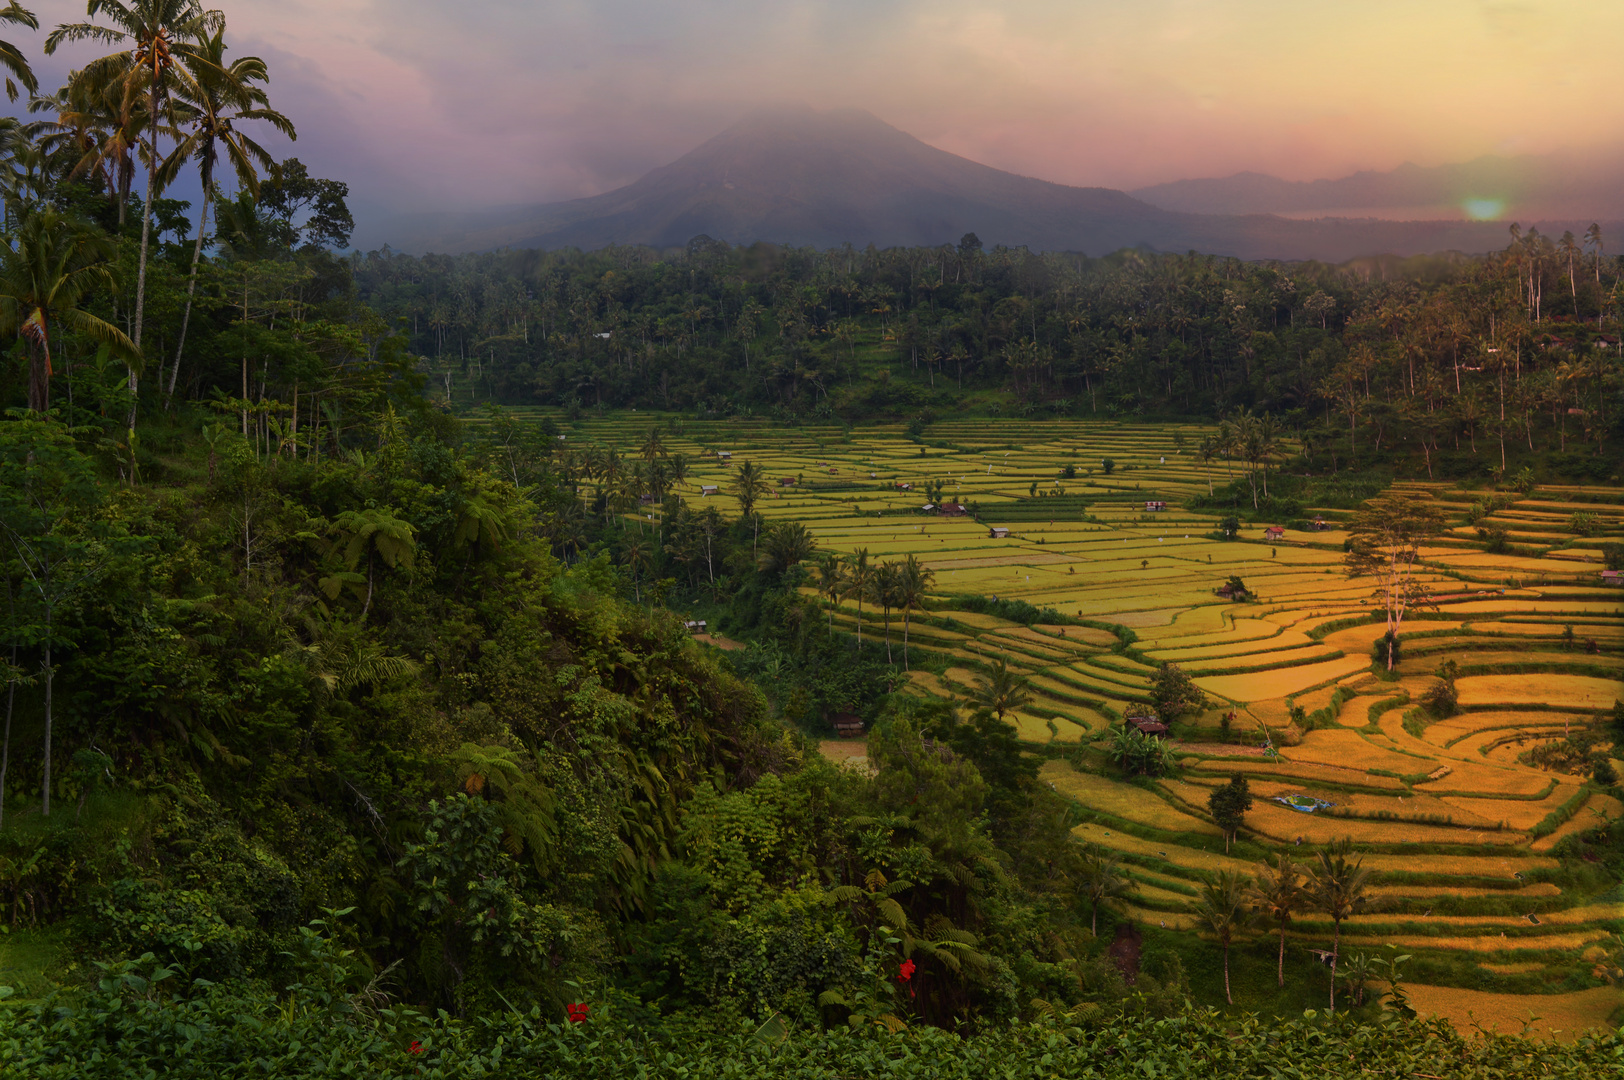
846 724
1153 506
928 507
1143 719
694 626
1274 532
903 486
785 481
646 500
953 509
997 532
1612 577
724 455
708 489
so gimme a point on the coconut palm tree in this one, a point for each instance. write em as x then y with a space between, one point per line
1340 887
913 580
750 484
11 57
859 581
1100 880
1277 891
98 125
1001 690
155 33
217 97
832 583
1222 906
55 263
787 544
883 591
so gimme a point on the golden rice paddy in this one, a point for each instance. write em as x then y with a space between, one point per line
1301 637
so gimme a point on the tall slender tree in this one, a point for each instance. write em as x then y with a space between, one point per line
1278 891
215 99
1339 885
154 34
1222 906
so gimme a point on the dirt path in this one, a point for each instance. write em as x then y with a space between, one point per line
719 641
1124 951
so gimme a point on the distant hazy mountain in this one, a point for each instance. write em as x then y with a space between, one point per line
1530 187
828 178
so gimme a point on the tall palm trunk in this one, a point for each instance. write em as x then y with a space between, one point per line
191 281
1227 996
1336 945
146 238
1280 967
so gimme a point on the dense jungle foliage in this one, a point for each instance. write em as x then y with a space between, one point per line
345 738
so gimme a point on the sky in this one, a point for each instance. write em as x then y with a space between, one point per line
423 105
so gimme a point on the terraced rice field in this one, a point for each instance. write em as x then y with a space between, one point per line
1087 547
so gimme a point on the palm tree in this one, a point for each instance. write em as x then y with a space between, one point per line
883 591
1339 887
11 57
652 447
56 262
638 555
912 582
1001 690
749 484
155 32
832 583
1222 906
787 544
217 96
858 583
1278 890
1569 247
1100 880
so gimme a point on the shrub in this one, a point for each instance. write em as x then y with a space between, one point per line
1604 774
1494 541
1379 648
1612 556
1585 523
1107 465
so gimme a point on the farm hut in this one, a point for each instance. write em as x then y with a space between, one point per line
694 626
1612 577
1143 719
646 500
1153 506
724 455
785 481
928 507
953 509
708 489
902 486
997 532
846 724
1231 591
1274 532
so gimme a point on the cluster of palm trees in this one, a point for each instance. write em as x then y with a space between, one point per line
889 586
1246 436
166 97
625 483
1336 884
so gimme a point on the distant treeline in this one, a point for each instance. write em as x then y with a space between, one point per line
1466 346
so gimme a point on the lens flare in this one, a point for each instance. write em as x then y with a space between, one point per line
1483 209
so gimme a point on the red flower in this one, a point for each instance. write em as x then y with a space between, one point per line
907 971
578 1012
415 1048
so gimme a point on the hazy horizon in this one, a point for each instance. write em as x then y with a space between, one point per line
422 107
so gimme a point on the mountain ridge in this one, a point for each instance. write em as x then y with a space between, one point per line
825 178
